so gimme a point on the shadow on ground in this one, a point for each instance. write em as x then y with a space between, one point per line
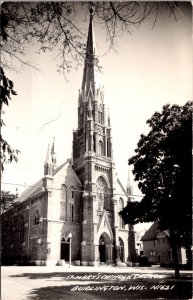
181 290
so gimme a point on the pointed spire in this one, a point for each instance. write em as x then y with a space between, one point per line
48 162
129 184
91 70
53 154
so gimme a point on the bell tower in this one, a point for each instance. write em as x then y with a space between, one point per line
93 161
93 135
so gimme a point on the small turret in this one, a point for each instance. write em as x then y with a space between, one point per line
50 162
53 156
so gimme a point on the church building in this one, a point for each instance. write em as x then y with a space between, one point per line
71 214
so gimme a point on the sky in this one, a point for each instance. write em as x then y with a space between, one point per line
151 67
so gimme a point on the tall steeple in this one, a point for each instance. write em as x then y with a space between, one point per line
91 74
93 135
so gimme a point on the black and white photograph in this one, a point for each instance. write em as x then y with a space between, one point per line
96 150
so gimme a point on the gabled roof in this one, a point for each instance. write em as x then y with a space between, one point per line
122 186
37 188
150 233
60 167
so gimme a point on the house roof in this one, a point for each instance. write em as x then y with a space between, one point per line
150 233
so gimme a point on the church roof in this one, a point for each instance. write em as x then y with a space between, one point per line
31 191
37 187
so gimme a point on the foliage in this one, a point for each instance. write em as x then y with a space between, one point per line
55 26
163 168
8 154
7 201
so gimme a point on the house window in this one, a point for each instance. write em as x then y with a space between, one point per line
36 218
152 253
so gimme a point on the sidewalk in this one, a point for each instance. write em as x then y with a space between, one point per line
90 269
77 283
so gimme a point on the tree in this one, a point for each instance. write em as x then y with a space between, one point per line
7 201
162 166
54 26
8 154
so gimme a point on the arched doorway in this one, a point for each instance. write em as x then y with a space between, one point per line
105 248
102 249
65 249
121 250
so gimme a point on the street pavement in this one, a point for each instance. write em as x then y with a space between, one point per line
75 283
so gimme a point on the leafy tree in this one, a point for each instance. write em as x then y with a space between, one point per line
7 201
163 168
8 154
54 25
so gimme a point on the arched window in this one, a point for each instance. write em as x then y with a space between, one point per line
100 148
63 202
63 192
100 114
72 212
72 204
21 230
102 194
72 193
36 217
121 206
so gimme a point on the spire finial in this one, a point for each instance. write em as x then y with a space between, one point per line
91 11
53 155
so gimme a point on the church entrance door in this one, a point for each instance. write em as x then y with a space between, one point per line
65 246
102 253
105 249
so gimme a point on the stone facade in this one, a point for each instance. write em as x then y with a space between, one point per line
72 212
